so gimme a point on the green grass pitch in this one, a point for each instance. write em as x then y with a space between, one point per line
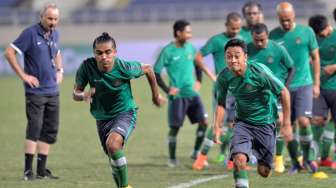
80 162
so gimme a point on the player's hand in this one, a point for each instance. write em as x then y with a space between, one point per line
89 94
159 100
197 86
328 70
59 77
316 91
173 91
32 81
218 133
287 131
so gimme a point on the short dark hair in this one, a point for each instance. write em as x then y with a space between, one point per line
104 37
251 4
180 25
234 43
259 28
318 22
334 13
233 16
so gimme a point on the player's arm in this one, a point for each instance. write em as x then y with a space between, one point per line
198 82
286 128
158 100
290 75
79 94
315 56
199 63
221 91
59 67
10 55
329 69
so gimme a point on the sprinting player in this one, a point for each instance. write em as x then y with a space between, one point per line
277 59
178 59
256 91
252 12
42 74
326 38
215 46
301 45
111 100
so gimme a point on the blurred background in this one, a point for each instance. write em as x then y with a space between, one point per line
140 27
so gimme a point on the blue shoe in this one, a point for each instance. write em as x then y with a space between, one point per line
312 165
295 169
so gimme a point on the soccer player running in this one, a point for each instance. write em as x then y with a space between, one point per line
277 59
256 90
252 12
42 74
326 38
178 59
215 46
301 45
111 100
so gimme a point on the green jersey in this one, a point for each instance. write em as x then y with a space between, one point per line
180 66
113 89
245 32
215 46
256 93
328 57
274 56
299 42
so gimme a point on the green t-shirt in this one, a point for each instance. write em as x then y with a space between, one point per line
328 57
245 32
215 46
113 89
256 93
299 42
274 56
180 66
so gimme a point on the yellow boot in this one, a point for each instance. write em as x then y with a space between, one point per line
279 164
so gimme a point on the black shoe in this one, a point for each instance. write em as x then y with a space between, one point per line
28 175
46 175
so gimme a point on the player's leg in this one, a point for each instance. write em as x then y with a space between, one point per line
241 147
176 113
331 102
280 144
34 113
48 136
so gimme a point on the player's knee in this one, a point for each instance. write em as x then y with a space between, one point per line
114 143
303 121
264 171
240 161
318 120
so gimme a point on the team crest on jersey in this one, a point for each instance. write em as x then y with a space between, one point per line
116 82
298 40
248 87
270 59
331 49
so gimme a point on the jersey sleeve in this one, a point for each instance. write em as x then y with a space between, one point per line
23 42
208 48
221 90
286 59
131 69
161 62
81 79
312 40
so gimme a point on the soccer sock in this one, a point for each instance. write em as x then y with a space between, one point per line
120 169
292 147
200 134
241 178
327 140
172 142
226 139
280 143
28 161
208 142
306 138
41 163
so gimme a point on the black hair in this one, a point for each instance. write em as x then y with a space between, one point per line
318 23
234 43
334 13
259 28
233 16
104 37
251 4
180 25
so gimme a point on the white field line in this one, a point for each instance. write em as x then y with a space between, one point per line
198 181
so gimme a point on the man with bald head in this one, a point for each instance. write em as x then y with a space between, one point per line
42 74
301 44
